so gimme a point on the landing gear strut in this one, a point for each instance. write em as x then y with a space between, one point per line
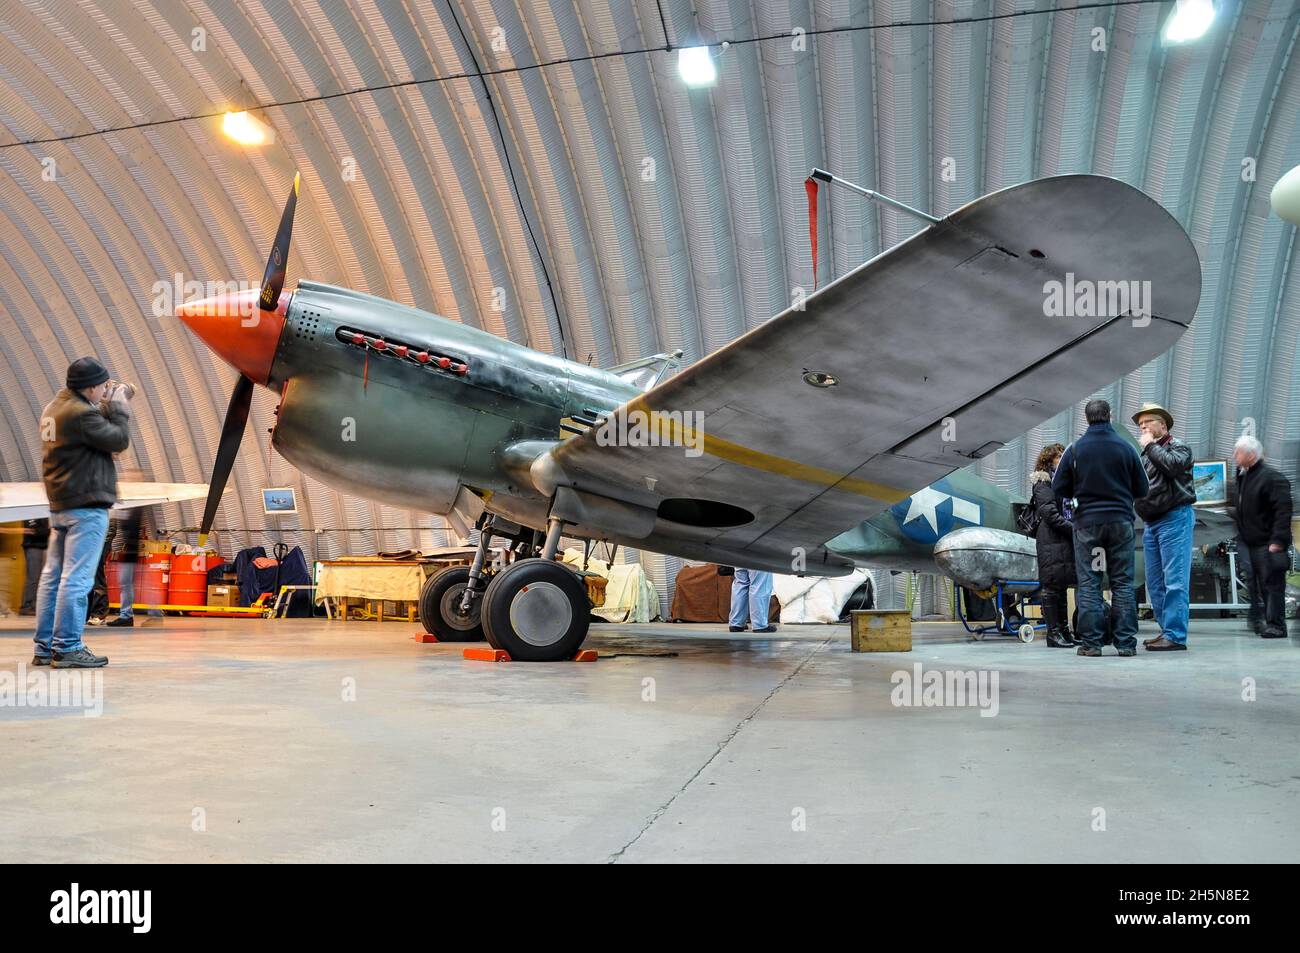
537 609
451 599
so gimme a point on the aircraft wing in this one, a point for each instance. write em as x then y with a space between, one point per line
941 351
24 501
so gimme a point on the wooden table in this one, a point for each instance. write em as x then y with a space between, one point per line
373 579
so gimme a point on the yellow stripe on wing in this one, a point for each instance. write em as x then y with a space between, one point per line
672 430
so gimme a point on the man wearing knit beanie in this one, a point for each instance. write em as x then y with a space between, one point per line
81 428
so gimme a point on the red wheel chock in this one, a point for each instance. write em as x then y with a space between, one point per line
501 655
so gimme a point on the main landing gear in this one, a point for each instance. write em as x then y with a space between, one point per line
536 608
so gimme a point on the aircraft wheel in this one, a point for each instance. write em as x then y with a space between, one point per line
440 612
537 610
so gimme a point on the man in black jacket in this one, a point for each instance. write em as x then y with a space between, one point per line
1102 473
1167 512
81 428
36 536
1263 518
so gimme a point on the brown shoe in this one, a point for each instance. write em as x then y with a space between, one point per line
1154 640
1164 645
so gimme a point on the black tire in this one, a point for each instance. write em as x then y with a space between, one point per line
440 607
564 627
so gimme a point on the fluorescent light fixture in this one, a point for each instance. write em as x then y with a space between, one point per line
245 129
1190 20
695 65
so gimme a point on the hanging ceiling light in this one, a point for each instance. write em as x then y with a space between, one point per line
695 66
246 129
1285 197
1189 21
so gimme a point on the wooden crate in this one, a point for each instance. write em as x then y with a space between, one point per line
881 630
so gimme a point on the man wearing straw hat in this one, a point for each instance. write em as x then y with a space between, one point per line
1167 512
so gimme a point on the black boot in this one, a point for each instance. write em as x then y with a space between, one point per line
1052 616
1067 630
1067 637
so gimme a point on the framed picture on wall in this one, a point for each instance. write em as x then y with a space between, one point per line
1210 477
279 501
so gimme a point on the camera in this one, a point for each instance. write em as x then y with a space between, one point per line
128 389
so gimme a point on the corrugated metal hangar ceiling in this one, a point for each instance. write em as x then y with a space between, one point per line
668 217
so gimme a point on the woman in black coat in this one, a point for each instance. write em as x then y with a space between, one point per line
1055 537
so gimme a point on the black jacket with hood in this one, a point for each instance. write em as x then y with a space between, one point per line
1055 535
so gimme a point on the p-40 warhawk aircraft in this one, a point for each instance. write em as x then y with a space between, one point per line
912 365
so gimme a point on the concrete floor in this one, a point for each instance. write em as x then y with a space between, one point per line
244 724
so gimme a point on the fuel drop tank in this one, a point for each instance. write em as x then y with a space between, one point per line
977 556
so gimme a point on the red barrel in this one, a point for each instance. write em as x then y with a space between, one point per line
151 579
188 582
112 572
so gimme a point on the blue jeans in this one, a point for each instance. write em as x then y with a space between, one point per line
1114 542
751 593
76 541
126 579
1167 544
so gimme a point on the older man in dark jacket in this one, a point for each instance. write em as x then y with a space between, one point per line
1167 512
81 429
1263 518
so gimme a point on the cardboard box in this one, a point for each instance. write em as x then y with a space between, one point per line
223 596
881 630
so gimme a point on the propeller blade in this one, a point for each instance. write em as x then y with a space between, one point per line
232 431
278 262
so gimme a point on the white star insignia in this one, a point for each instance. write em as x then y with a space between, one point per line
923 503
